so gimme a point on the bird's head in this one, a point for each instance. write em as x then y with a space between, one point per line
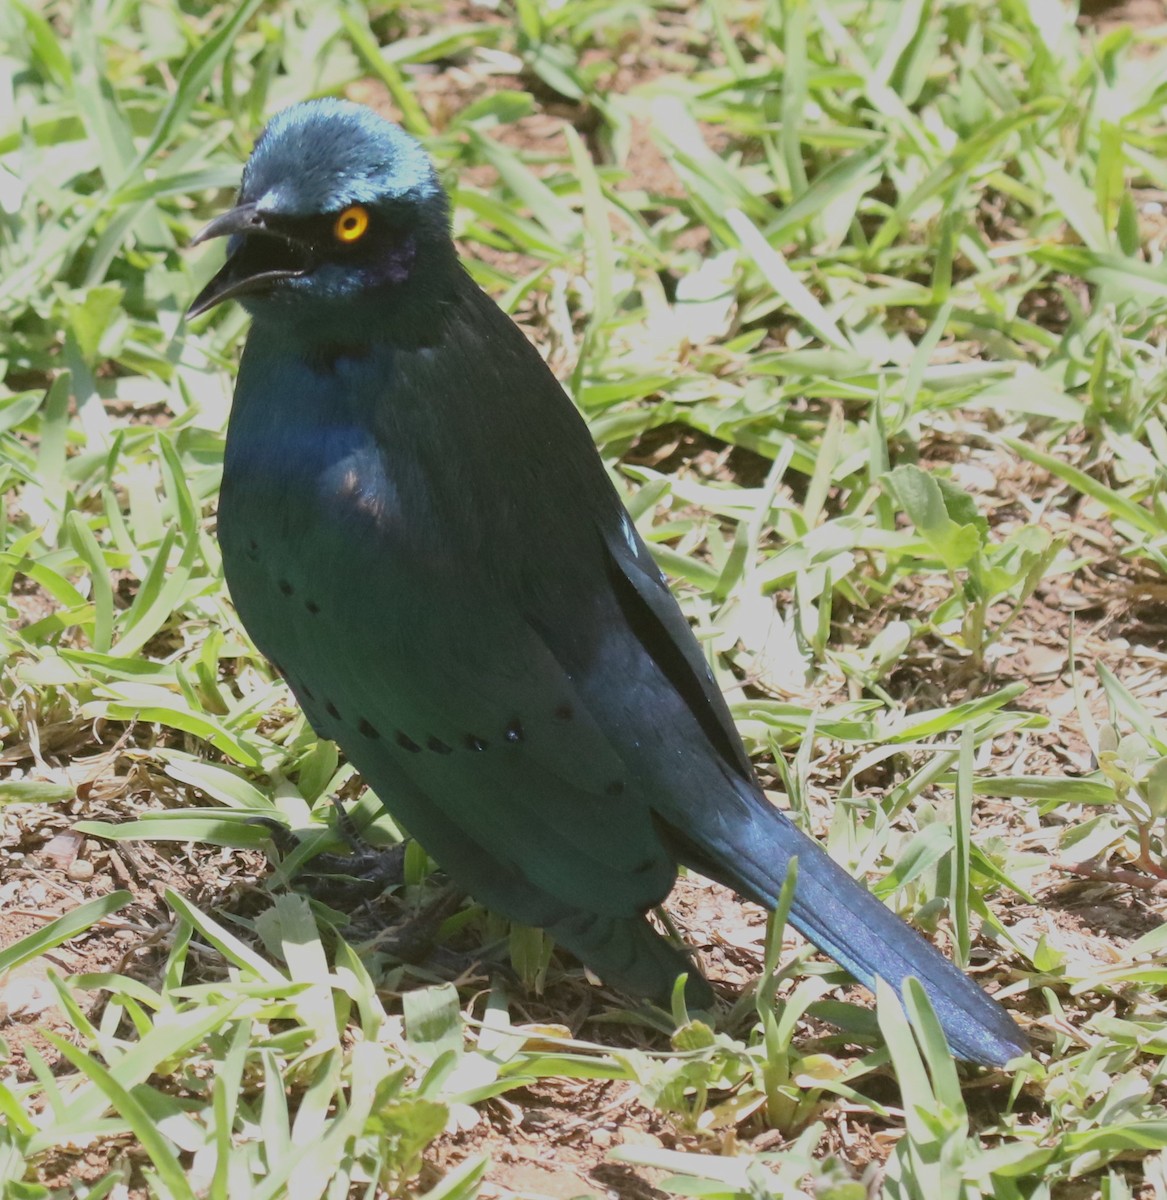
336 203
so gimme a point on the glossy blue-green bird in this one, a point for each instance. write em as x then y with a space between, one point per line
418 532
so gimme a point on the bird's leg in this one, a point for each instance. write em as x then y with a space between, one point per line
373 868
347 827
413 939
369 871
344 878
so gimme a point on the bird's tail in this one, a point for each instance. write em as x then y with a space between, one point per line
846 921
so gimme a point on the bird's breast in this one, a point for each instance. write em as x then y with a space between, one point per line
309 512
302 450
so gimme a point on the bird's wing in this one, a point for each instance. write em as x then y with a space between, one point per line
457 693
652 613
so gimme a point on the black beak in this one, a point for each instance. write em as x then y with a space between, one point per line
244 272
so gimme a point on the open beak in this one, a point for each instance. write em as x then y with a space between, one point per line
258 258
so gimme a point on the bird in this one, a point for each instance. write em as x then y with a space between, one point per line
419 533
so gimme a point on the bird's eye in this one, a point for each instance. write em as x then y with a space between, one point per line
351 224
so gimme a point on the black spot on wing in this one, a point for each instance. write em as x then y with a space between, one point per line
367 730
285 587
514 731
564 712
437 745
407 743
312 606
332 710
473 742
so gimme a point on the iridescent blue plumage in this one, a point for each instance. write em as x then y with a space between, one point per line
418 531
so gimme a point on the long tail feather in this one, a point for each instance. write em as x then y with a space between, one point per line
847 922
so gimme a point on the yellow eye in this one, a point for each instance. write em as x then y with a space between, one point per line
351 224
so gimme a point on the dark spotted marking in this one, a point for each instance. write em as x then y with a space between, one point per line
330 708
564 712
615 788
514 731
474 742
367 730
644 867
437 745
285 587
407 743
312 606
307 691
252 548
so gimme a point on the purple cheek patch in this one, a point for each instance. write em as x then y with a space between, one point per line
397 264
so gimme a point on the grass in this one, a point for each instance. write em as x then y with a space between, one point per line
864 303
